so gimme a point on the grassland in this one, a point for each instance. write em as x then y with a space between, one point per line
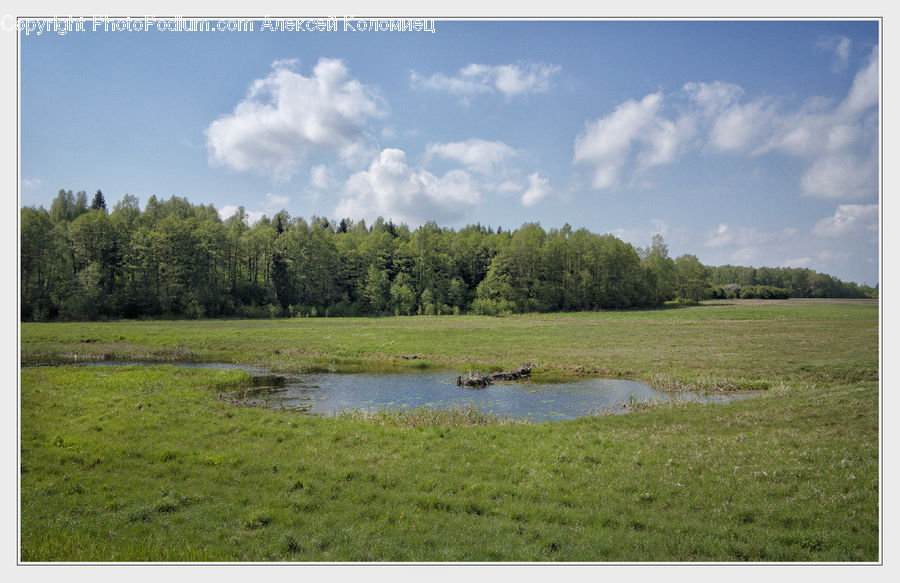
147 464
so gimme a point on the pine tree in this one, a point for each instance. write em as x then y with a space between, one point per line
98 203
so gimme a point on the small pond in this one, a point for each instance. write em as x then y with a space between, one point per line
327 393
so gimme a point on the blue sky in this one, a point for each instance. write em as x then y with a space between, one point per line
750 142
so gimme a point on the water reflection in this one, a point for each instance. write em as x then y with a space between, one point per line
326 394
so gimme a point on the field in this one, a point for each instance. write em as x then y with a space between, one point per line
149 464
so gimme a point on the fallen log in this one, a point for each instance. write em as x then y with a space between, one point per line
511 375
473 381
476 380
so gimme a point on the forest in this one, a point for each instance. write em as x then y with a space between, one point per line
175 259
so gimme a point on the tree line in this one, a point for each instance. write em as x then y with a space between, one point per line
81 261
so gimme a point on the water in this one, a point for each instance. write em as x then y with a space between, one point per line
328 393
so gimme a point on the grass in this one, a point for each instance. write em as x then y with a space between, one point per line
148 464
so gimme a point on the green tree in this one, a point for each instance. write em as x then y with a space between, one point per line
659 271
127 211
690 278
95 241
98 203
67 207
403 298
377 289
282 283
37 264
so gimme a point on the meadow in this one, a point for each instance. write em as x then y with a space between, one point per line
141 463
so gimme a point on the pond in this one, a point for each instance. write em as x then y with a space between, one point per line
328 393
538 402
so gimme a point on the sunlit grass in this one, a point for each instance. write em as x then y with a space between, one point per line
150 464
721 341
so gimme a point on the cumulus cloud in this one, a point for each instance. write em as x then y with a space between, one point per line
287 115
538 190
393 189
495 166
250 217
665 140
478 155
608 144
849 220
271 204
837 140
511 80
739 126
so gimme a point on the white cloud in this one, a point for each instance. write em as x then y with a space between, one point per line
494 166
864 92
320 177
817 129
713 97
840 46
841 176
287 115
721 236
250 217
507 186
538 190
271 204
665 140
394 190
849 220
276 201
227 211
739 126
286 63
473 79
838 142
635 130
606 143
475 154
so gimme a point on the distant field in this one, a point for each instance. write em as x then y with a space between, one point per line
721 343
138 463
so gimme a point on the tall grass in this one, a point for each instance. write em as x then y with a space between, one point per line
455 416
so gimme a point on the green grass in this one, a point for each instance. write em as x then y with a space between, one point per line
148 464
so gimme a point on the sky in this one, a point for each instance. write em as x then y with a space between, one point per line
741 142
